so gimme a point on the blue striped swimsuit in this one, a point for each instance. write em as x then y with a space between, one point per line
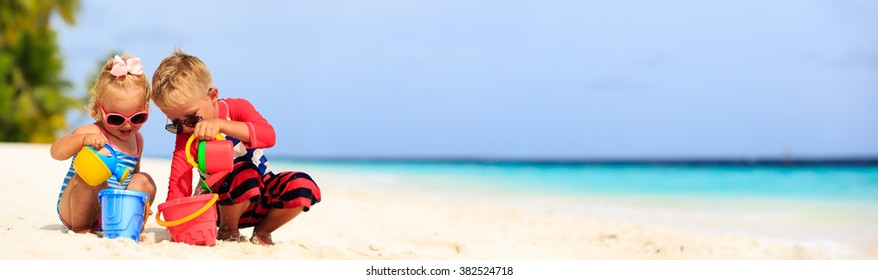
113 183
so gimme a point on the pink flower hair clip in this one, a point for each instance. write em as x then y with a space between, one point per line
123 67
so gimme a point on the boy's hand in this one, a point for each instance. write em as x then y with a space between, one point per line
208 129
96 141
199 189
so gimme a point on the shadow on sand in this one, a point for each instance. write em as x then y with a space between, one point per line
55 227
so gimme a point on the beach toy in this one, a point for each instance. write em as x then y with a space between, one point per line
213 156
95 168
123 213
191 220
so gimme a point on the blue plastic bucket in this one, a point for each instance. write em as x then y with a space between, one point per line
122 213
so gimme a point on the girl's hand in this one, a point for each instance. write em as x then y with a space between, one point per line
207 129
96 141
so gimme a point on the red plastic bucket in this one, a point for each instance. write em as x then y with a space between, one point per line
191 220
216 156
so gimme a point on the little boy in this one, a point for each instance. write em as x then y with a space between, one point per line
251 195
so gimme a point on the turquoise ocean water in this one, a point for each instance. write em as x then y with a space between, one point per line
834 203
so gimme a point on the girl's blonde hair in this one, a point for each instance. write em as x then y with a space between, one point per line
106 82
178 76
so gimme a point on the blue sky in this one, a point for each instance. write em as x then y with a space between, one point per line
518 79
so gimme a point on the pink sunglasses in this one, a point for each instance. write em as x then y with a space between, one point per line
114 119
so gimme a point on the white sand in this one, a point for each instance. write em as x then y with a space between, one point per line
371 224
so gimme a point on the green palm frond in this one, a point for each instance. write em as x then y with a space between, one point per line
34 97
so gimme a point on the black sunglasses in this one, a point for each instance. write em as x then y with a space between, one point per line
190 121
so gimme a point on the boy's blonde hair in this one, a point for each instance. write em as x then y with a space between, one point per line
179 75
108 82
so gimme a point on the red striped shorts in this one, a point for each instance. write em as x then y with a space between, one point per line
288 189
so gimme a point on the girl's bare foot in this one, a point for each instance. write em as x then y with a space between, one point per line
261 239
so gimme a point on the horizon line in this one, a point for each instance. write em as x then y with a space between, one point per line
720 161
693 160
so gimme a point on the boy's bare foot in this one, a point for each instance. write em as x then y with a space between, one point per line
261 239
227 234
